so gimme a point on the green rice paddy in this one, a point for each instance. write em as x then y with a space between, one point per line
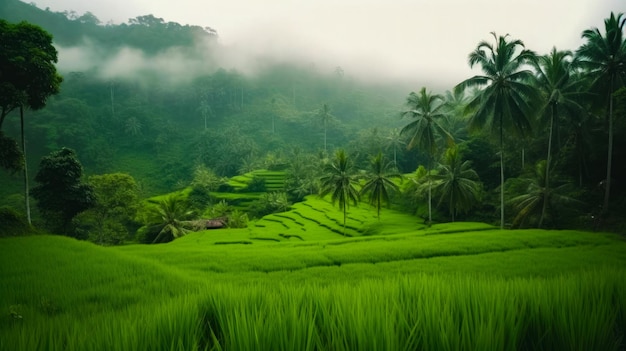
292 281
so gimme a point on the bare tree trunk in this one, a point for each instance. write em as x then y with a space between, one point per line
430 216
112 100
607 191
501 175
26 194
547 179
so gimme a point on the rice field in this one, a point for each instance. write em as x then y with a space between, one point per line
291 281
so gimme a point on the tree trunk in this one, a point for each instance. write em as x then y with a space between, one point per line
26 195
430 217
501 175
607 191
547 175
112 100
344 220
325 135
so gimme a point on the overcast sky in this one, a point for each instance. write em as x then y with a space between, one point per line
422 41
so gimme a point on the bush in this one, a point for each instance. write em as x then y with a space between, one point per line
270 203
12 223
256 185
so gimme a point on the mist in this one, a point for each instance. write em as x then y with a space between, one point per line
404 42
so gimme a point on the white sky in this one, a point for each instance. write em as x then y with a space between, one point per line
421 41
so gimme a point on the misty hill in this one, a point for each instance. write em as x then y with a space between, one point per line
147 33
156 99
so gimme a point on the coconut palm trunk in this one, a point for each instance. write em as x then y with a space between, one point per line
609 157
26 188
548 160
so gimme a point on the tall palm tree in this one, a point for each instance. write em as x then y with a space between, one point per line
456 183
561 95
394 141
507 97
427 111
325 116
339 181
605 58
205 111
378 183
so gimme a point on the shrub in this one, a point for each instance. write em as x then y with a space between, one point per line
256 185
12 223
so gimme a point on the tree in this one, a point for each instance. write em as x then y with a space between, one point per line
10 155
205 111
427 110
561 95
528 205
116 203
378 183
28 76
394 141
166 221
507 98
61 193
456 183
325 117
605 58
339 181
27 59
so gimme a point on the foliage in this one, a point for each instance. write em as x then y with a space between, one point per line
562 95
11 157
13 223
27 59
456 183
237 219
220 209
111 219
507 99
378 182
271 202
205 179
339 181
605 59
427 110
529 206
166 221
256 185
61 194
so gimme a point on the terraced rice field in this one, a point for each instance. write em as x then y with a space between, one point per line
292 281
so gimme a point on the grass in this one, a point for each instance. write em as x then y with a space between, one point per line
392 284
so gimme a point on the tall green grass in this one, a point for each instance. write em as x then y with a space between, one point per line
570 312
433 289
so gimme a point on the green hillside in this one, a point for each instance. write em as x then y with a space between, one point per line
198 292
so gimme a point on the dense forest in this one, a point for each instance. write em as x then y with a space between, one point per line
148 99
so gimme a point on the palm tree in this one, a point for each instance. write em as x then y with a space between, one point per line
605 57
339 181
395 140
378 183
456 121
561 94
507 97
325 116
529 205
168 218
456 183
427 110
205 111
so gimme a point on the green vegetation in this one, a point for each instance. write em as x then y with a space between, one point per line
227 172
529 289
